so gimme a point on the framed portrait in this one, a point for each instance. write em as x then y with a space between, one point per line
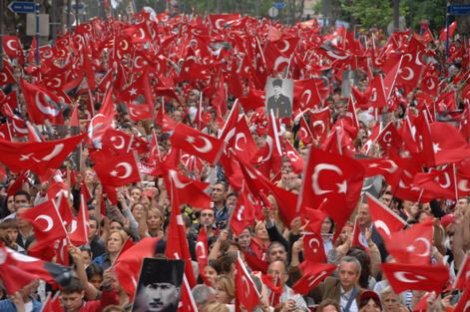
159 286
279 97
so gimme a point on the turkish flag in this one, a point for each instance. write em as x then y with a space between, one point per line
117 170
246 293
184 190
440 183
390 139
312 274
42 104
244 215
52 304
177 243
385 220
6 76
202 252
376 90
13 48
242 143
448 144
102 121
127 266
294 158
306 94
313 247
196 143
328 175
13 278
412 246
381 166
320 124
79 234
117 141
443 33
464 302
46 221
416 277
187 303
37 156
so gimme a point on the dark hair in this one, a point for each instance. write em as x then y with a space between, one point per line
326 303
23 192
93 270
73 287
9 224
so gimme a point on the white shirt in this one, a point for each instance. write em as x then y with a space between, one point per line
343 301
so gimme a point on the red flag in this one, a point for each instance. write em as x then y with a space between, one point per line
37 156
416 277
389 139
42 104
187 303
46 221
246 293
328 175
443 33
202 252
385 221
177 243
52 304
117 170
312 275
313 247
101 121
464 302
439 183
412 246
295 159
244 215
462 278
186 191
320 124
79 236
196 143
128 265
13 278
448 144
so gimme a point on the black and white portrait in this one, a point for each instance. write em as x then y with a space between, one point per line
279 94
159 286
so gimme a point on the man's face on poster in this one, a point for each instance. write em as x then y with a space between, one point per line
277 90
159 296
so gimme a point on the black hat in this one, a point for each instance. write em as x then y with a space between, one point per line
277 82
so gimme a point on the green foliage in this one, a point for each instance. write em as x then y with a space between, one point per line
249 7
431 10
372 13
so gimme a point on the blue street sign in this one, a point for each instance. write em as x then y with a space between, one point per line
279 5
78 6
22 7
459 9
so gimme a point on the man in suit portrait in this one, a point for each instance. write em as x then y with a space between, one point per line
279 103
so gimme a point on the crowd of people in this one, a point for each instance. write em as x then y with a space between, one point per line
158 72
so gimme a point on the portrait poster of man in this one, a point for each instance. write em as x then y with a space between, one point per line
279 95
159 286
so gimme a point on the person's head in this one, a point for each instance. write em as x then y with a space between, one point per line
203 295
11 203
92 227
231 201
364 259
135 193
327 226
137 210
278 272
113 308
261 232
85 250
224 289
390 300
386 198
277 86
159 296
94 273
21 199
115 225
154 219
215 307
9 228
210 273
115 242
363 215
219 192
244 239
328 305
207 218
370 302
277 252
72 295
349 270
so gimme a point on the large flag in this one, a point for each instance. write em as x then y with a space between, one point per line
416 277
102 121
42 104
39 157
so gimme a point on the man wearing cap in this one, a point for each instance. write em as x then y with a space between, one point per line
278 102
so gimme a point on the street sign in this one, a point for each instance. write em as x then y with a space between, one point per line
43 25
458 9
78 6
273 12
279 5
22 7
